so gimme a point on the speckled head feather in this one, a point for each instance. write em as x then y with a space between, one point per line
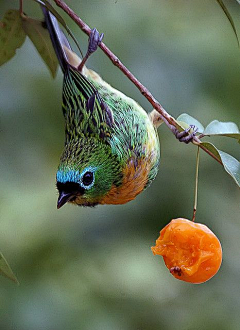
89 163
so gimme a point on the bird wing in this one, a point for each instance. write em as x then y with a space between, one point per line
84 110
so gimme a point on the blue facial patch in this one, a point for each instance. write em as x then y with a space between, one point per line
68 176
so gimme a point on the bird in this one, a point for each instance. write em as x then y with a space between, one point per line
112 149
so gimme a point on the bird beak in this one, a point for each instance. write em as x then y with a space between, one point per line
63 198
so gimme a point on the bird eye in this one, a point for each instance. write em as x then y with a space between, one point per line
87 178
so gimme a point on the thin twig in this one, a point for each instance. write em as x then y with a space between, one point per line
166 117
196 187
21 6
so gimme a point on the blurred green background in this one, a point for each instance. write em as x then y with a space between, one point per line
92 268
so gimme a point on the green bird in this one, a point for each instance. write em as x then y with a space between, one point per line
112 149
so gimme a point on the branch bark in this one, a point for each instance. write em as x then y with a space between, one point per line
166 117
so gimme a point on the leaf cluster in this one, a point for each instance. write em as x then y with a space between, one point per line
14 28
216 128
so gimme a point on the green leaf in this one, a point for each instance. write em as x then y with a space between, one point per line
224 8
60 20
230 164
212 149
41 40
5 269
12 35
222 128
189 120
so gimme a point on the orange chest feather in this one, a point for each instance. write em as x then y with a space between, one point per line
135 178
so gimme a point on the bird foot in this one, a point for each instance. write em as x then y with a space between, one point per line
185 136
94 40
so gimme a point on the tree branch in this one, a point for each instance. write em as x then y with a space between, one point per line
166 117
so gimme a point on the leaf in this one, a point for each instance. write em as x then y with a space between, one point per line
230 164
213 149
41 40
12 35
224 8
60 20
5 269
229 129
189 120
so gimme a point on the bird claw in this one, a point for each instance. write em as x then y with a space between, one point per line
184 136
94 40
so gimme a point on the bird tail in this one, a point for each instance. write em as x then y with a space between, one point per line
65 55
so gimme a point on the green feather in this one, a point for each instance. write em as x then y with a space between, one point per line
130 129
111 147
83 108
125 138
84 153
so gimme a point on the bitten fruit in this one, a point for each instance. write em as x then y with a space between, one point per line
191 251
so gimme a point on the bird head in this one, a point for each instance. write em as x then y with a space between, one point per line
86 173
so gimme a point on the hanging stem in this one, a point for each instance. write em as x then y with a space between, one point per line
196 187
21 6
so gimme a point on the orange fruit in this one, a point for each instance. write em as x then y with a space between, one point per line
191 251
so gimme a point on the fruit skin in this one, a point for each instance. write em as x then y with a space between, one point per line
191 251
